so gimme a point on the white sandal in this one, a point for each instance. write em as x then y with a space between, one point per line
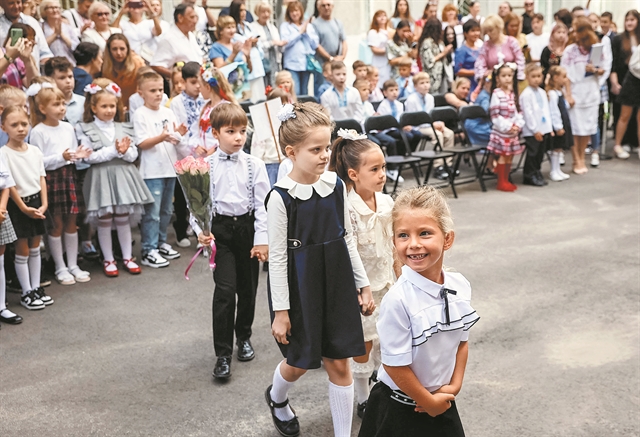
64 277
79 274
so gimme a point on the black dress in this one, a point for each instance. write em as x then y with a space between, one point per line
324 310
564 142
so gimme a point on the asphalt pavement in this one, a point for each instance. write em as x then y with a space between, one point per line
555 273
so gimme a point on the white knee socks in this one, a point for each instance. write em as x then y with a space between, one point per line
361 374
341 400
71 247
22 272
279 393
55 247
34 267
124 235
104 237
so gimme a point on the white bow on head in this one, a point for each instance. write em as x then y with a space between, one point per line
286 112
35 88
351 134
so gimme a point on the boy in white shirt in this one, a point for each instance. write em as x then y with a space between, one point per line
362 85
342 101
534 104
405 84
391 106
187 105
537 40
159 139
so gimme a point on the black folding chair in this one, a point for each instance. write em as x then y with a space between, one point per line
245 105
304 99
382 122
375 105
402 100
439 100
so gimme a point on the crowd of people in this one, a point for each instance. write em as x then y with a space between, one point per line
96 110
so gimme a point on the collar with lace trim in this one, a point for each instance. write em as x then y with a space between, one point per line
324 186
360 205
423 283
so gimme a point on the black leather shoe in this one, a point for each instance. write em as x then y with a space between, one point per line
360 409
15 320
533 181
245 351
223 368
286 428
539 174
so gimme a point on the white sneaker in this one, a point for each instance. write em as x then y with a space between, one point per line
595 159
64 277
620 152
79 274
190 232
185 242
555 177
392 175
400 180
564 175
167 251
626 148
153 259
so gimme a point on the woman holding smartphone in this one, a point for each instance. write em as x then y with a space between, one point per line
17 66
140 32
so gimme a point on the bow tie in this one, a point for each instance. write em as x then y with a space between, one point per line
444 294
224 157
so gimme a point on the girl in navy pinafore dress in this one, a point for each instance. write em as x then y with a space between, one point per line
317 284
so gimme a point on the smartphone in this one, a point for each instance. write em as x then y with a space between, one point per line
16 34
135 4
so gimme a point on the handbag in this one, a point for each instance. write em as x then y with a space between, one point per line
313 64
634 62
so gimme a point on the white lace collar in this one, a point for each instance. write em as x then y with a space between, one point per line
361 206
324 186
423 283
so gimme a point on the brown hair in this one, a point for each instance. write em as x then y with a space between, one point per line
427 198
337 65
44 97
358 64
228 114
583 34
93 99
447 8
374 21
146 76
308 115
511 16
530 67
389 84
10 110
537 16
361 82
280 93
347 155
626 37
290 8
108 64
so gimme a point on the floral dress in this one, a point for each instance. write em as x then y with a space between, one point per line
435 69
396 51
504 115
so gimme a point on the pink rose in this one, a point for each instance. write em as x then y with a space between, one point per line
178 166
202 166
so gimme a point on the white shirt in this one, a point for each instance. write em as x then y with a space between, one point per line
277 224
26 168
75 19
378 39
92 35
41 50
6 180
157 162
536 112
105 152
138 34
232 195
285 168
368 109
52 142
413 330
556 116
75 109
536 44
416 102
386 109
373 235
203 21
348 105
175 46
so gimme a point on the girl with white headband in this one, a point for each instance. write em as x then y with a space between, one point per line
58 144
113 187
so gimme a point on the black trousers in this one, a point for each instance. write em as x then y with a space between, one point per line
535 155
182 213
236 274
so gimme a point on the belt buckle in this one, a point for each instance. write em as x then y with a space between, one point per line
235 219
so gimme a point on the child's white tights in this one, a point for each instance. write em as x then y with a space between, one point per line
341 401
104 237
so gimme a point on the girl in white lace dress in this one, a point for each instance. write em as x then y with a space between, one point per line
360 163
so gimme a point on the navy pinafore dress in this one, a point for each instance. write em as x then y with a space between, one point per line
324 310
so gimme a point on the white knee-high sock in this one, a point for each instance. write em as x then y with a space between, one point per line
279 393
341 400
71 247
22 272
35 263
124 235
55 247
104 237
361 374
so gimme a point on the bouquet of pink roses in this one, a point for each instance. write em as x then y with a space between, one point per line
193 175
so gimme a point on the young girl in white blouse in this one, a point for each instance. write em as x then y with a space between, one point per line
423 324
59 146
317 284
360 163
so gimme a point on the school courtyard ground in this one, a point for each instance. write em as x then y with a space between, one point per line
555 277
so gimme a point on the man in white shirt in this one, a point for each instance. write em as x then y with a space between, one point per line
78 18
206 17
537 40
178 43
474 13
13 14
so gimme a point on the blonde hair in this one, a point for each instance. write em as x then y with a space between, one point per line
554 72
95 6
492 22
420 77
8 93
44 97
224 22
92 100
280 77
425 198
261 7
459 81
43 7
308 115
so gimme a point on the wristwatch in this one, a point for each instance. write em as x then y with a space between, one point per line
8 58
330 58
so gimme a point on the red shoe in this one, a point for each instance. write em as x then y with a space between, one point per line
131 267
110 268
503 179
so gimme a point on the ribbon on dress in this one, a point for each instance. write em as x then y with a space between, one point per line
444 294
212 259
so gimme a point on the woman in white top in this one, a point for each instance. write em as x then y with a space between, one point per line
377 38
101 30
61 37
238 11
269 41
141 32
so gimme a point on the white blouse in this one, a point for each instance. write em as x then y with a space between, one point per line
413 330
277 228
373 234
105 152
6 180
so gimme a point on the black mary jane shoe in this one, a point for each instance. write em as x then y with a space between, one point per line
245 351
15 320
286 428
222 370
533 181
361 408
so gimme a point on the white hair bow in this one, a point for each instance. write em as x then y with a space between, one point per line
92 88
35 88
351 134
286 112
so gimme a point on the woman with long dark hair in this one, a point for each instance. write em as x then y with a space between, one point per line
625 85
402 13
433 54
121 65
238 11
401 48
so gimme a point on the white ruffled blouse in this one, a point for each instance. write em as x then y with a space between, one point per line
277 227
373 234
413 326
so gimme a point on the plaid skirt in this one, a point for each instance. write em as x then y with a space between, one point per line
25 226
63 193
503 145
7 233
